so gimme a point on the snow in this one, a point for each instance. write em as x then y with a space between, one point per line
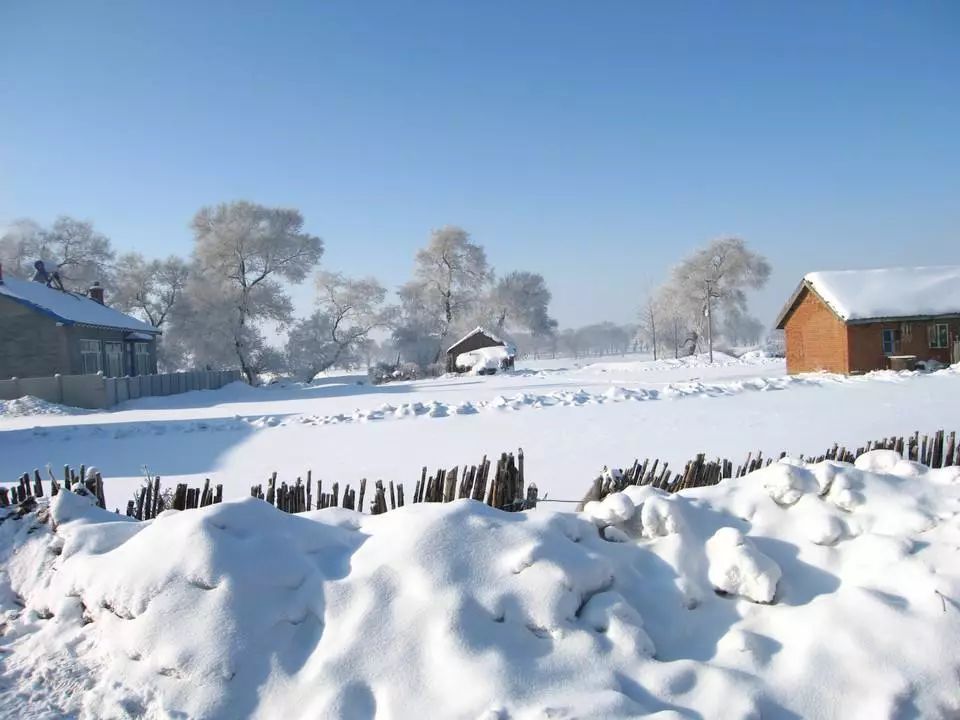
70 308
458 610
482 359
570 420
477 330
737 567
889 292
29 405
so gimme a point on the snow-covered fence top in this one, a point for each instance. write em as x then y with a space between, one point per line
98 392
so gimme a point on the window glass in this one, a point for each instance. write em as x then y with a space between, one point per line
113 351
90 357
939 335
891 342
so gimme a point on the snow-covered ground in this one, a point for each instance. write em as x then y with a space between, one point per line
826 591
797 592
569 417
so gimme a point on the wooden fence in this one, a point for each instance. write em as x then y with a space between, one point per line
505 490
938 450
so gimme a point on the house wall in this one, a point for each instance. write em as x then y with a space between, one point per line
31 343
866 343
816 338
474 342
76 333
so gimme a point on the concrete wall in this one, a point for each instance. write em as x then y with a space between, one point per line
31 344
97 392
816 338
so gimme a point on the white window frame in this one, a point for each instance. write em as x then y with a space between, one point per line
115 355
90 349
934 337
141 358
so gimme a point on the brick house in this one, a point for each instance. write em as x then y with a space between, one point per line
855 321
45 331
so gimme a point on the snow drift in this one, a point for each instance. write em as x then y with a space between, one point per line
826 591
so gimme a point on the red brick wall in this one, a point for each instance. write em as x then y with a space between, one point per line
816 337
866 343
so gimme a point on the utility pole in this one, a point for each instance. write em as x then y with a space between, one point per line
709 319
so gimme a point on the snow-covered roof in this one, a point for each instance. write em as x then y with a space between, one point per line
862 295
69 308
477 330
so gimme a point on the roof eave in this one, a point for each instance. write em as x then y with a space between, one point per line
904 318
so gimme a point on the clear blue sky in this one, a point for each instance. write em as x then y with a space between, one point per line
595 142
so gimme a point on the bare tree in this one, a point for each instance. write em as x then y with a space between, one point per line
651 314
338 330
243 250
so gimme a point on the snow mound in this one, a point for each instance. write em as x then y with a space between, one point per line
30 405
738 568
459 610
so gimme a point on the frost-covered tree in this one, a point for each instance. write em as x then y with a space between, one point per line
70 247
242 254
19 248
149 289
336 333
716 278
740 328
520 301
451 277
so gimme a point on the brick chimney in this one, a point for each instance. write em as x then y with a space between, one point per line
96 292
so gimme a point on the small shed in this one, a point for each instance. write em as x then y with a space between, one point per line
477 339
855 321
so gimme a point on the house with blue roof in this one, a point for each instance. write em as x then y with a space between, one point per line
46 331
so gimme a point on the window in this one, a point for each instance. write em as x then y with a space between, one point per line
891 342
113 351
90 357
939 335
141 358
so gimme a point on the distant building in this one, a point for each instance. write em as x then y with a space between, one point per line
45 331
855 321
474 341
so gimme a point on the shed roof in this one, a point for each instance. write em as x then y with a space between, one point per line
477 331
883 293
70 308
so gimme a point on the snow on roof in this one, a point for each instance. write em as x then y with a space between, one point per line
69 308
473 332
858 295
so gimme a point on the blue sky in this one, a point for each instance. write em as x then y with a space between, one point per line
595 142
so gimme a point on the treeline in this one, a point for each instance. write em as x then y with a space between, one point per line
213 306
